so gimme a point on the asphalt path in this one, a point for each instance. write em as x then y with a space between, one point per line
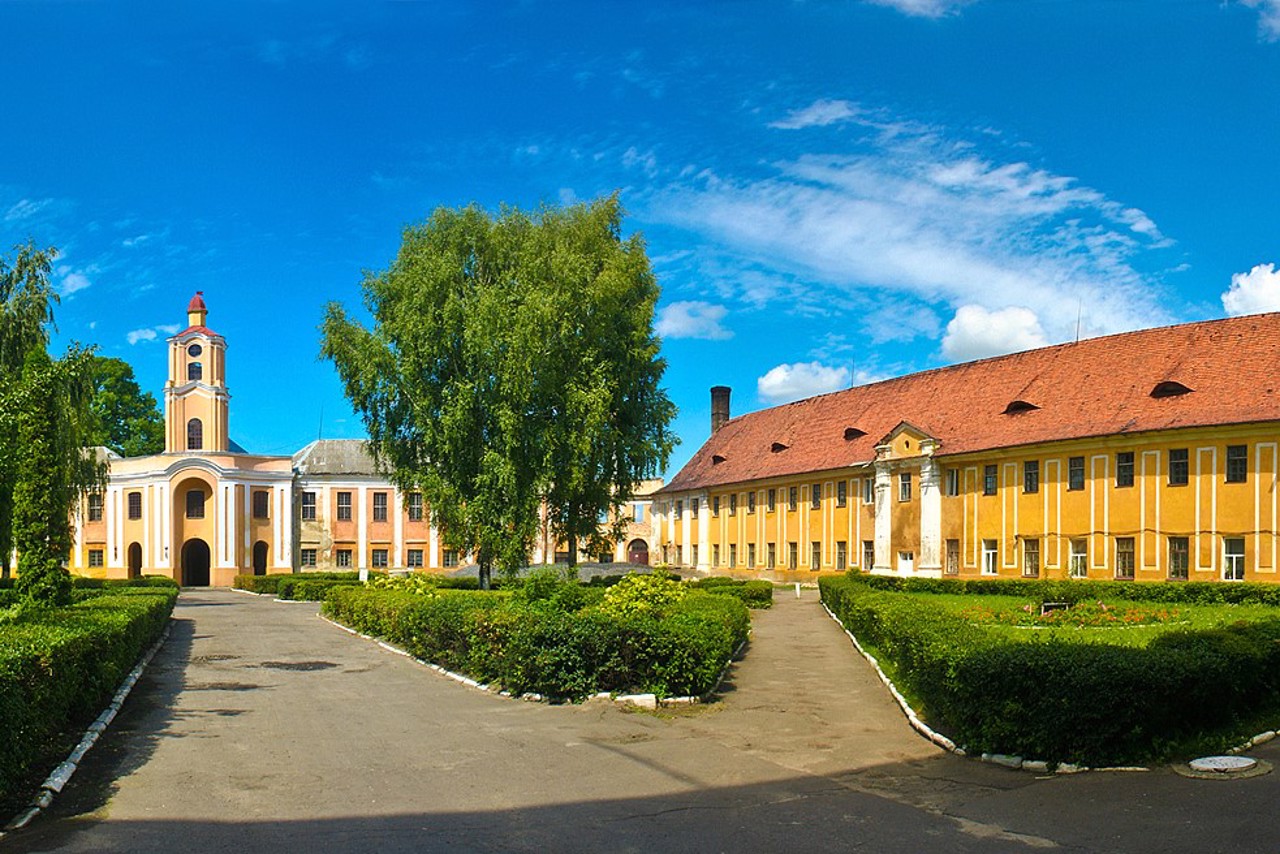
260 727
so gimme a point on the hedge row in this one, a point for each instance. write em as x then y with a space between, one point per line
755 594
1076 590
534 647
270 584
302 588
1062 700
59 667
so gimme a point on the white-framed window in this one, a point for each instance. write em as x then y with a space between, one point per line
95 506
414 500
1079 558
990 553
95 557
135 505
793 555
414 560
1179 558
842 493
307 557
815 497
1031 558
733 554
868 490
637 513
842 555
1233 558
379 558
308 506
771 558
953 482
1124 558
751 554
953 557
343 558
868 554
450 557
815 555
379 507
904 486
715 554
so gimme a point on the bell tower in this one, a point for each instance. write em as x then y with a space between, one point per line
196 396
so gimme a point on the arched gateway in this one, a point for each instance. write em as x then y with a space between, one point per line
195 563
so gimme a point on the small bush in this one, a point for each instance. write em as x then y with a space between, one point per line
756 594
642 594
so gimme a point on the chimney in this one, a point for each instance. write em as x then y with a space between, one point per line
719 406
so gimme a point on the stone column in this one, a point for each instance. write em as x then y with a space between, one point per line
704 535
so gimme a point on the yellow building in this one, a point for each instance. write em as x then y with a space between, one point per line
205 510
1149 455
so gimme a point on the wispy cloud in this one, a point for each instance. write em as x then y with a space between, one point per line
693 319
788 382
1268 18
1255 291
927 8
73 282
25 209
818 114
920 214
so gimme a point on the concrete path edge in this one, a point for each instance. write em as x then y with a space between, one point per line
61 775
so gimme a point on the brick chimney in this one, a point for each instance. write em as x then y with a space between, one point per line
719 406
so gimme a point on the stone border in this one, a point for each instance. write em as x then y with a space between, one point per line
1036 766
60 776
644 701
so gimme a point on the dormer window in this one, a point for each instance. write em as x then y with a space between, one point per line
851 433
777 447
1017 406
1169 388
717 459
195 371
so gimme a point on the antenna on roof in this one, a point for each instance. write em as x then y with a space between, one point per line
853 371
1079 311
320 429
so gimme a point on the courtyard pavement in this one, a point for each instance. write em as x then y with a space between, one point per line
260 727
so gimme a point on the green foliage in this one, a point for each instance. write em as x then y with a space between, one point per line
511 358
59 666
1072 591
756 594
270 584
642 593
1060 699
300 588
533 641
128 420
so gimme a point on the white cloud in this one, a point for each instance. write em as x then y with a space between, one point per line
168 328
913 213
140 335
647 162
975 332
818 114
73 282
925 8
1268 18
137 240
1255 291
693 319
786 383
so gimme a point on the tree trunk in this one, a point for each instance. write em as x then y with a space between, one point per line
573 549
485 573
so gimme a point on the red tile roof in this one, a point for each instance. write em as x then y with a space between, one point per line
197 302
1097 387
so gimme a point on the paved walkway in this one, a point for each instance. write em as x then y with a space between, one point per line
260 727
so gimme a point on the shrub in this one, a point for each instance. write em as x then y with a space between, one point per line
59 666
533 640
756 594
1094 703
270 584
642 593
299 588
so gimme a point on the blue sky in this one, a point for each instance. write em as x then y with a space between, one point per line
831 192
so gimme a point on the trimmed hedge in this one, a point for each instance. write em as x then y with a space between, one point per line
536 647
755 594
1076 590
270 584
301 588
1062 700
58 667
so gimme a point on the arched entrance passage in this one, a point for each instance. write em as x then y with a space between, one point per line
195 563
638 552
135 560
260 558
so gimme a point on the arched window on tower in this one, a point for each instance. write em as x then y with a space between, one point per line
195 435
194 371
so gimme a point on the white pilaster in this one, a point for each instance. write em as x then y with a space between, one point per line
704 535
433 540
397 508
148 508
686 532
246 545
930 563
112 510
164 531
362 528
884 517
286 521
